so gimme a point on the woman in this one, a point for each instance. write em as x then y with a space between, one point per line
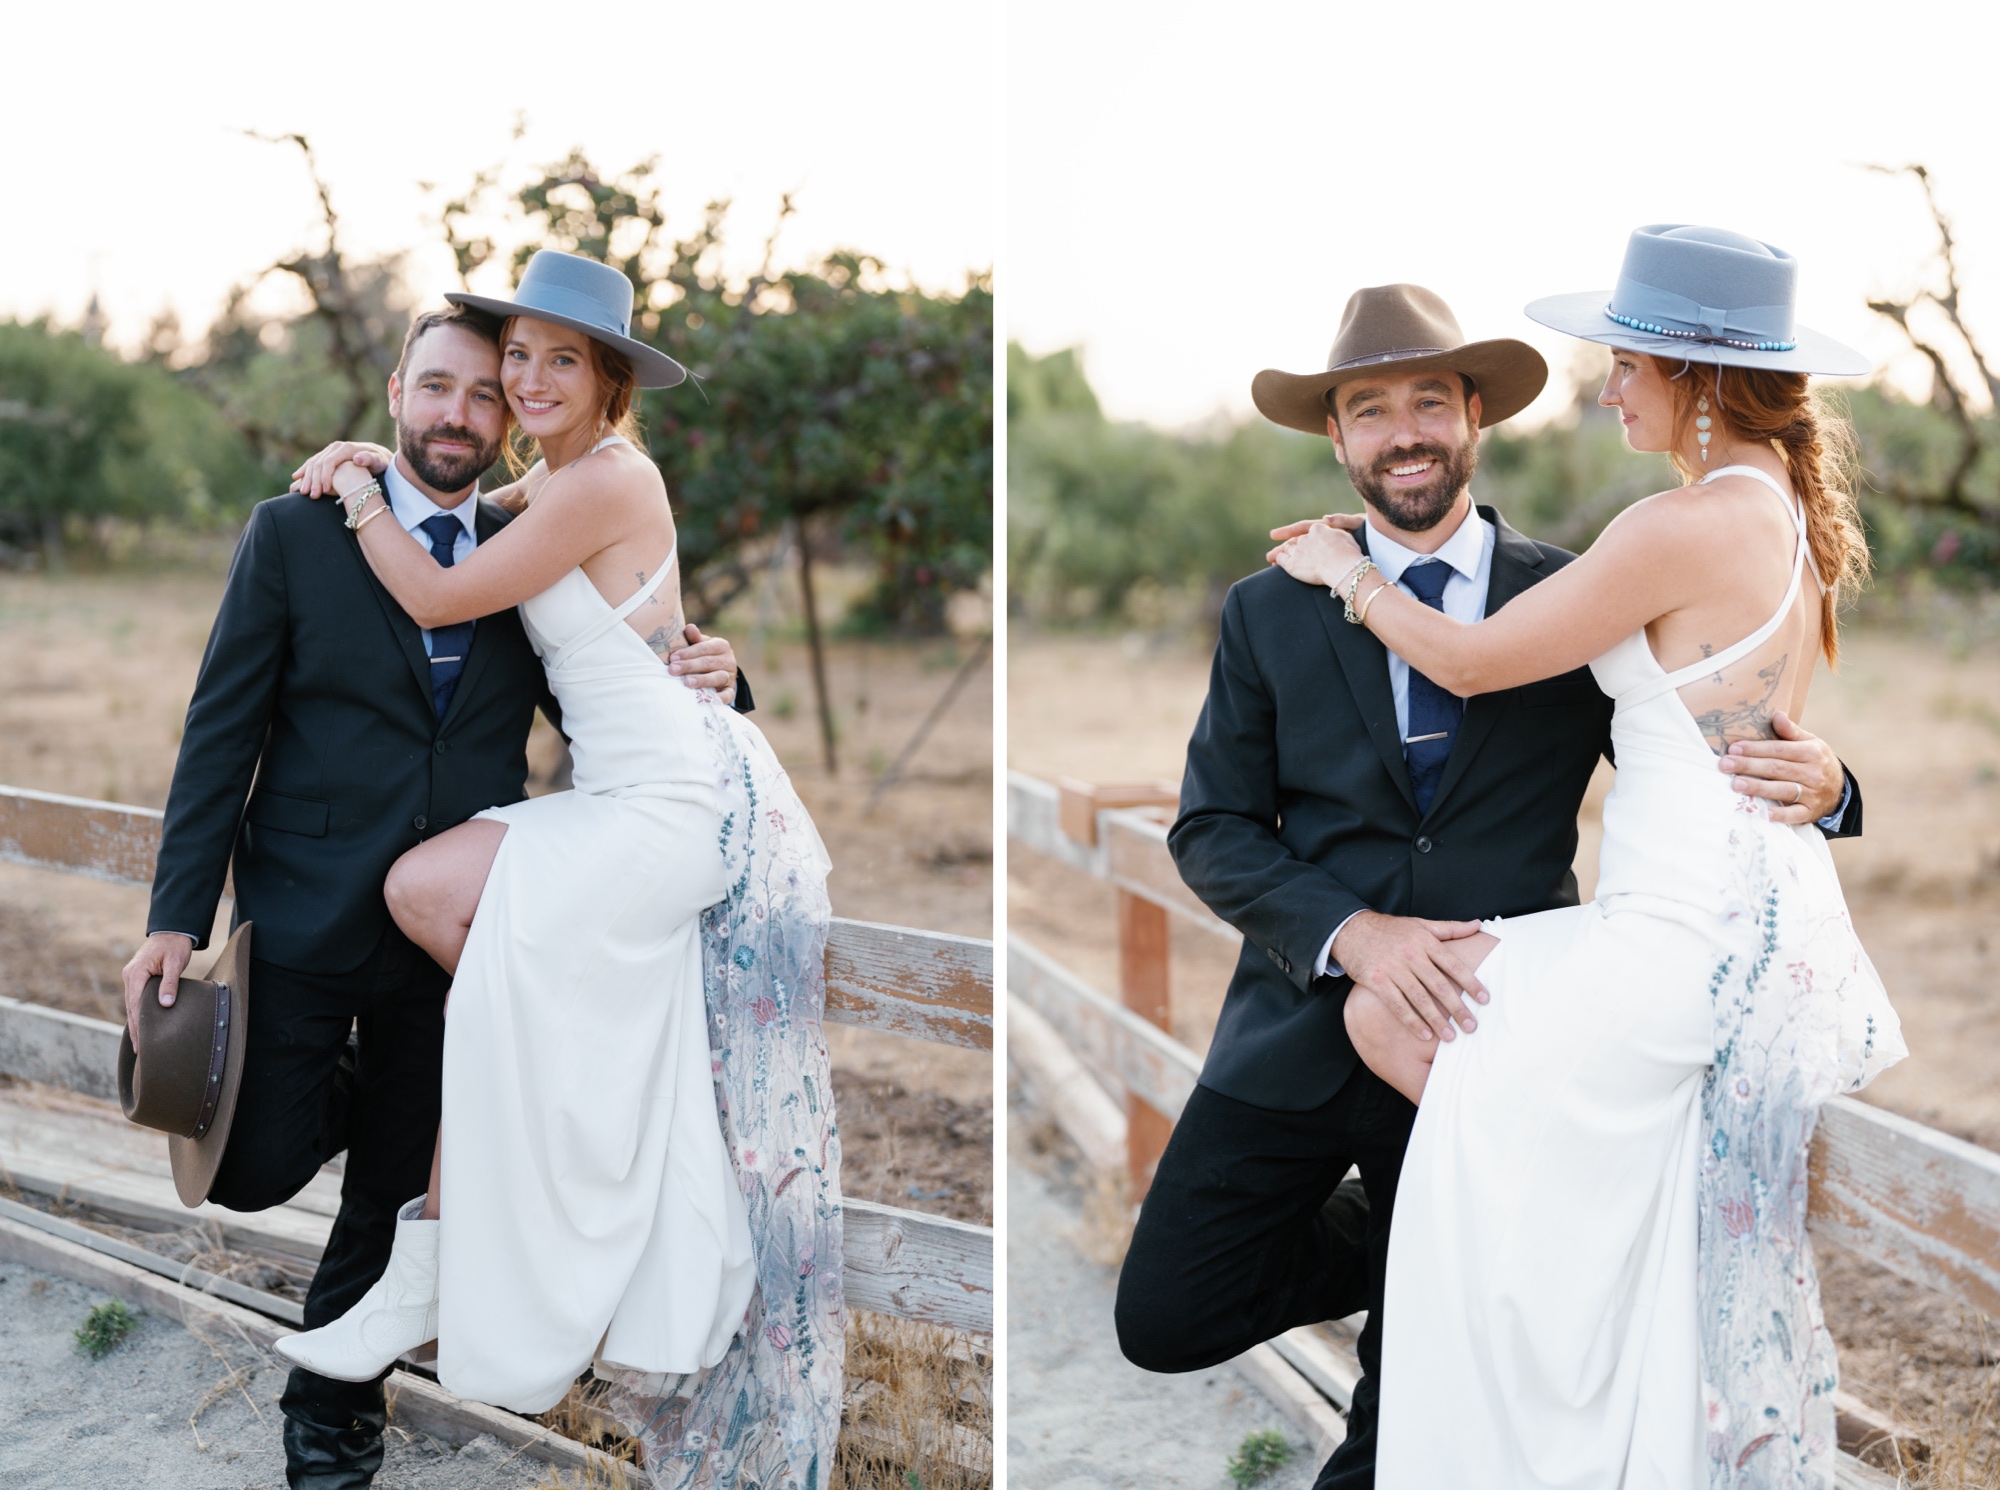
586 1203
1599 1273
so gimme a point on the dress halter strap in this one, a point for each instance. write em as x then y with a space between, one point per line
615 614
1737 651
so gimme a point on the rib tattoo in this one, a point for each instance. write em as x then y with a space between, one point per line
1747 718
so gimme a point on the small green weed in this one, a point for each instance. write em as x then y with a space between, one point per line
1258 1456
107 1325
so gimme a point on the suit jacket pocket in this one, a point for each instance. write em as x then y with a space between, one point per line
299 815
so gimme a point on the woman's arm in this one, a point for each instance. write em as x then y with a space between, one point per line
1646 563
588 509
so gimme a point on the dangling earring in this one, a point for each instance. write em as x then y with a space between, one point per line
1701 424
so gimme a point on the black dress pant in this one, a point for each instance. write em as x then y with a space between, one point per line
1237 1243
295 1111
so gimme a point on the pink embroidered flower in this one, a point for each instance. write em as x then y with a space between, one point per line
1738 1216
1742 1089
1802 975
750 1157
765 1010
779 1336
776 819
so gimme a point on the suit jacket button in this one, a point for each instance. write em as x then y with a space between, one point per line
1423 844
418 822
440 747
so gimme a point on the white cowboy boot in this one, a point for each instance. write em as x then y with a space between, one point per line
398 1314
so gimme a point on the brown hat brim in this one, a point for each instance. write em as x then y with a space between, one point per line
196 1160
1507 375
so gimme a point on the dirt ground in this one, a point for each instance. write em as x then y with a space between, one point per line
1916 717
95 673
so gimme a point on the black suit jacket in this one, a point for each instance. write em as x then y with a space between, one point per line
1297 811
312 755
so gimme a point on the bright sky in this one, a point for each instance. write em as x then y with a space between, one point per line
120 131
1193 195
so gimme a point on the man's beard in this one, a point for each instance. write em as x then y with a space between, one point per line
445 471
1417 509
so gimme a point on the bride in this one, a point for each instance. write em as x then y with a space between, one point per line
605 1189
1598 1270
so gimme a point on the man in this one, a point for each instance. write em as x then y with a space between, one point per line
353 735
1355 821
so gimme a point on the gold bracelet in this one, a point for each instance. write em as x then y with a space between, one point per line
359 499
371 517
1361 616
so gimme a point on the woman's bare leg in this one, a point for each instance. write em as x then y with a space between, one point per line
433 891
1386 1045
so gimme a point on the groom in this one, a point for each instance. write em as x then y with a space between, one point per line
1354 821
327 735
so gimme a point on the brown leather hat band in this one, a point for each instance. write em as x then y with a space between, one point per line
218 1059
1373 358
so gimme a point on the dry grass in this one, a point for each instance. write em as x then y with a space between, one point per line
919 1408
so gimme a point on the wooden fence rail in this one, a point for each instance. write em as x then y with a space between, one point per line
1921 1203
925 985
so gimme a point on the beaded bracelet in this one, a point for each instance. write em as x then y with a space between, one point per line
360 499
1352 580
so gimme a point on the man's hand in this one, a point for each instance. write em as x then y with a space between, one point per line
1414 967
1797 771
163 955
706 662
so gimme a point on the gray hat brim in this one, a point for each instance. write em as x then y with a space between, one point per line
1582 315
652 367
1506 374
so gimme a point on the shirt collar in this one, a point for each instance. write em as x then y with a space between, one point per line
411 504
1463 550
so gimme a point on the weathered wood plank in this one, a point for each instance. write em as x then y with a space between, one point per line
413 1401
1059 1085
914 1266
900 1262
1138 862
57 1048
1147 1062
928 985
1296 1397
105 840
1034 818
1080 803
1921 1203
186 1274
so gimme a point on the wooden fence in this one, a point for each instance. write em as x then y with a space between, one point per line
1921 1203
926 985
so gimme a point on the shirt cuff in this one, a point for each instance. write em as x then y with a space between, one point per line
1325 967
1831 822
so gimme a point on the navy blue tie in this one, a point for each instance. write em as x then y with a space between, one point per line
1434 713
449 644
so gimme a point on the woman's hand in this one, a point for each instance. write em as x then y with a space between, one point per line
1323 553
349 477
314 478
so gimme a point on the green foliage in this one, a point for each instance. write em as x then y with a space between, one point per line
1259 1456
85 435
104 1329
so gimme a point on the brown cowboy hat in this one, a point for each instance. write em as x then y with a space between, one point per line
184 1076
1404 329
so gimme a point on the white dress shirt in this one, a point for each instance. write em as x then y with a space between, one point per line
410 506
1469 552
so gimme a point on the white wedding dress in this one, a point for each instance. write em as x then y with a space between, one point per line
589 1206
1598 1270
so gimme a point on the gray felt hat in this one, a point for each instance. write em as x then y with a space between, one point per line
1702 295
585 296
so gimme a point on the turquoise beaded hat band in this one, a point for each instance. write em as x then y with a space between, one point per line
1704 295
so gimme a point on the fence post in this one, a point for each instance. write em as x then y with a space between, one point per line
1142 982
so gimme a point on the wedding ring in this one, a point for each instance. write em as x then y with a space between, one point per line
1798 794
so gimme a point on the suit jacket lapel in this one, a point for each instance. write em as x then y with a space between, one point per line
1517 564
487 519
1365 662
409 635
